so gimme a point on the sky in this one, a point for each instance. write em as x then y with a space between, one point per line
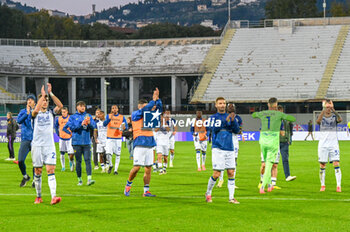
76 7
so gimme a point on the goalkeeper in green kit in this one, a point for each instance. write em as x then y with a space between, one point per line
270 137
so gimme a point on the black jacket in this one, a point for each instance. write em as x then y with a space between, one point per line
11 127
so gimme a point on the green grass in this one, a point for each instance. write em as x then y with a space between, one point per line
180 203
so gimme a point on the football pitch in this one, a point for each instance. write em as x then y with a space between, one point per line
180 203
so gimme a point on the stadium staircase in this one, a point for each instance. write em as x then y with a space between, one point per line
210 65
332 62
53 61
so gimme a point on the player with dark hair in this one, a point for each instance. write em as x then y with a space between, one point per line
270 138
223 156
43 144
143 144
81 123
25 119
65 142
115 123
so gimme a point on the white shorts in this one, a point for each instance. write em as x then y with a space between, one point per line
172 142
328 154
277 158
222 159
201 145
163 149
101 148
43 156
143 156
66 146
113 146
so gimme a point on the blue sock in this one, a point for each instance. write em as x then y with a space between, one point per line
128 183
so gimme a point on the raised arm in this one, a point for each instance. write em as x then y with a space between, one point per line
319 118
40 102
339 118
57 101
106 121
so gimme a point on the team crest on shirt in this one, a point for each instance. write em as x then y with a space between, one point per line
151 119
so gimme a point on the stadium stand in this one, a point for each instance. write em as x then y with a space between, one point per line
210 64
97 61
259 62
332 63
339 86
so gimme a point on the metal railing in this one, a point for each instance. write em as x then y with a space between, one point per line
109 43
102 70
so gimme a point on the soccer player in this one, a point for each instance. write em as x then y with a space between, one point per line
43 144
200 138
328 146
65 142
309 129
143 144
270 137
163 143
232 108
285 141
24 118
115 124
100 135
94 145
173 130
222 126
80 124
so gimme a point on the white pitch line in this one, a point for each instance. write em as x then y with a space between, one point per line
185 197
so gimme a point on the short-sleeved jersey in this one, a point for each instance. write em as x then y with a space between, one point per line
163 136
328 132
271 125
102 132
43 129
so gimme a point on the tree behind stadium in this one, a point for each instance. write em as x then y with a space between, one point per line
279 9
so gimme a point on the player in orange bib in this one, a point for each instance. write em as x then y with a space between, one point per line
65 143
143 144
115 124
200 136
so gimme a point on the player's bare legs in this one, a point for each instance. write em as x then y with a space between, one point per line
134 172
262 171
147 176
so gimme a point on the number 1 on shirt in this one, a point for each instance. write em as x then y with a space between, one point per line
268 122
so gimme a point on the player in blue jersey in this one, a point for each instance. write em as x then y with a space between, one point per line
232 108
222 125
24 118
143 144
